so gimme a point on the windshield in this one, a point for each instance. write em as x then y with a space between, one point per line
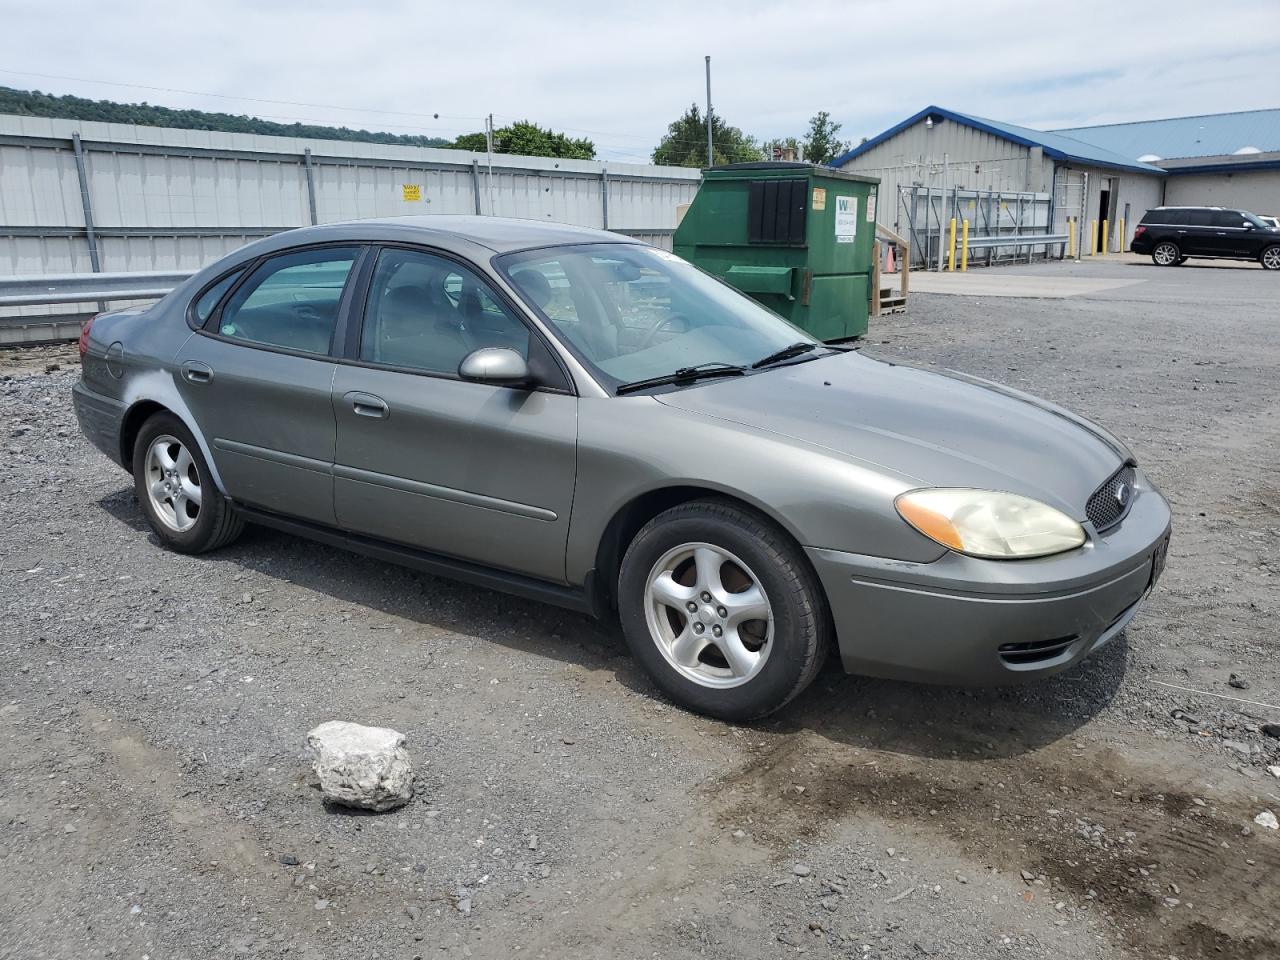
631 312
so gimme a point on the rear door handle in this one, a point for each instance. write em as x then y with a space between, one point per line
196 372
367 405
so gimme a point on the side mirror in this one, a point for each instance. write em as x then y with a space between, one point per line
500 366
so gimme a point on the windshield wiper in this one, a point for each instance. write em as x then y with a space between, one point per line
684 375
786 353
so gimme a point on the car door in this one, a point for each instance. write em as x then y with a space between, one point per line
1230 238
1195 234
258 377
475 471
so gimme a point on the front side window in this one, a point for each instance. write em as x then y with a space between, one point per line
427 313
1229 218
634 312
290 301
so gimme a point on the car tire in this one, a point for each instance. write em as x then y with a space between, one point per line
1166 254
1270 258
176 490
736 666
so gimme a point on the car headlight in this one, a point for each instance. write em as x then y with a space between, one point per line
985 523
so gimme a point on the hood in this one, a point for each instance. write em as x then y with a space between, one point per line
934 429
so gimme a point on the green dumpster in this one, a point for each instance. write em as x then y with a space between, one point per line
795 236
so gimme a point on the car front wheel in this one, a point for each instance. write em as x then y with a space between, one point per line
174 487
1166 254
722 610
1270 258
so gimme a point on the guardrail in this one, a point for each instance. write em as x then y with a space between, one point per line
86 288
1020 240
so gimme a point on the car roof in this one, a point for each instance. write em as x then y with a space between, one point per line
499 234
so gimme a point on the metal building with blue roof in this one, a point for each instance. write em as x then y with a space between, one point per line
1110 172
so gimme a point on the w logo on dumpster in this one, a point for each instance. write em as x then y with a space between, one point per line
846 219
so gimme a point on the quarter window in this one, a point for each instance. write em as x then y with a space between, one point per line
208 300
291 301
427 313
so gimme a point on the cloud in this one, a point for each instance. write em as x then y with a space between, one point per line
620 72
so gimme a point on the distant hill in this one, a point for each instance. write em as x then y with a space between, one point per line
33 103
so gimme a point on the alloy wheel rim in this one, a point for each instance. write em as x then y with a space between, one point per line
173 483
1271 258
1165 253
708 615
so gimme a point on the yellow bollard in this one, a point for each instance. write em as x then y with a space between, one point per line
1105 251
1120 235
951 245
1093 237
964 245
1071 237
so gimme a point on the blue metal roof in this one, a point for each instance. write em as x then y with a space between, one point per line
1055 144
1211 135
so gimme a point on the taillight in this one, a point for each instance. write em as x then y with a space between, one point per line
1139 230
84 335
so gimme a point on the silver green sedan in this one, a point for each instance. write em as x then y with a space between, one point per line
579 418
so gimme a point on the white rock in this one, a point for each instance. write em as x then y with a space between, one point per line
358 766
1267 819
1274 771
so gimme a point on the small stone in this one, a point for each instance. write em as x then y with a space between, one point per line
1271 730
69 828
568 741
1028 876
412 911
801 870
739 833
533 841
288 860
1238 747
1274 771
464 906
830 903
246 598
1267 819
322 904
1239 682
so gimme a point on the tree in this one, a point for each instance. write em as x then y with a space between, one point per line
528 139
685 143
820 144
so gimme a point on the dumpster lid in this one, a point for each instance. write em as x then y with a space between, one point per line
816 169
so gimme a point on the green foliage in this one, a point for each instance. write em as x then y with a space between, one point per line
33 103
685 143
525 138
820 144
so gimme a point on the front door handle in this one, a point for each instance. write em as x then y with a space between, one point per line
367 405
196 372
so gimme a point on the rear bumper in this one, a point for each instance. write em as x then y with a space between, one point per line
976 622
101 419
1141 244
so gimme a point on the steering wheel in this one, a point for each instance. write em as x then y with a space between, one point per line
647 339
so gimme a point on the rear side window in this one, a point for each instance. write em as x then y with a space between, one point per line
1157 216
208 301
1196 218
290 301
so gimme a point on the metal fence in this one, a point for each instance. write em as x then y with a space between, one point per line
1003 226
85 197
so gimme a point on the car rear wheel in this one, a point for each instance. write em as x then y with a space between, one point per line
174 487
1270 258
722 610
1166 254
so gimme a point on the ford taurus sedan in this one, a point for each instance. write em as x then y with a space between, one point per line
577 417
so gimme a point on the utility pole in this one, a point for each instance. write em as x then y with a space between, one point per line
488 143
710 155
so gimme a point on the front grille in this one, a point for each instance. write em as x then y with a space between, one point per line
1110 502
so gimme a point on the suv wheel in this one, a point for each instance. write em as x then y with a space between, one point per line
1270 258
722 610
1166 254
173 484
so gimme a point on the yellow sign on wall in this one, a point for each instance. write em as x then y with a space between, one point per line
412 192
819 198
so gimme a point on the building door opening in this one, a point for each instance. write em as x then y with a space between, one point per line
1104 210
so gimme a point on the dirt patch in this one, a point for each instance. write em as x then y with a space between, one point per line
1176 874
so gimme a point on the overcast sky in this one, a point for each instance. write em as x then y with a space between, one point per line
620 72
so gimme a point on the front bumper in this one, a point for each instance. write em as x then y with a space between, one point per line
101 419
969 621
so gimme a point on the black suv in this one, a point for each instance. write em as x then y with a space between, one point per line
1172 234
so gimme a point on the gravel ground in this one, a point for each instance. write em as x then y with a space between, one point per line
153 709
